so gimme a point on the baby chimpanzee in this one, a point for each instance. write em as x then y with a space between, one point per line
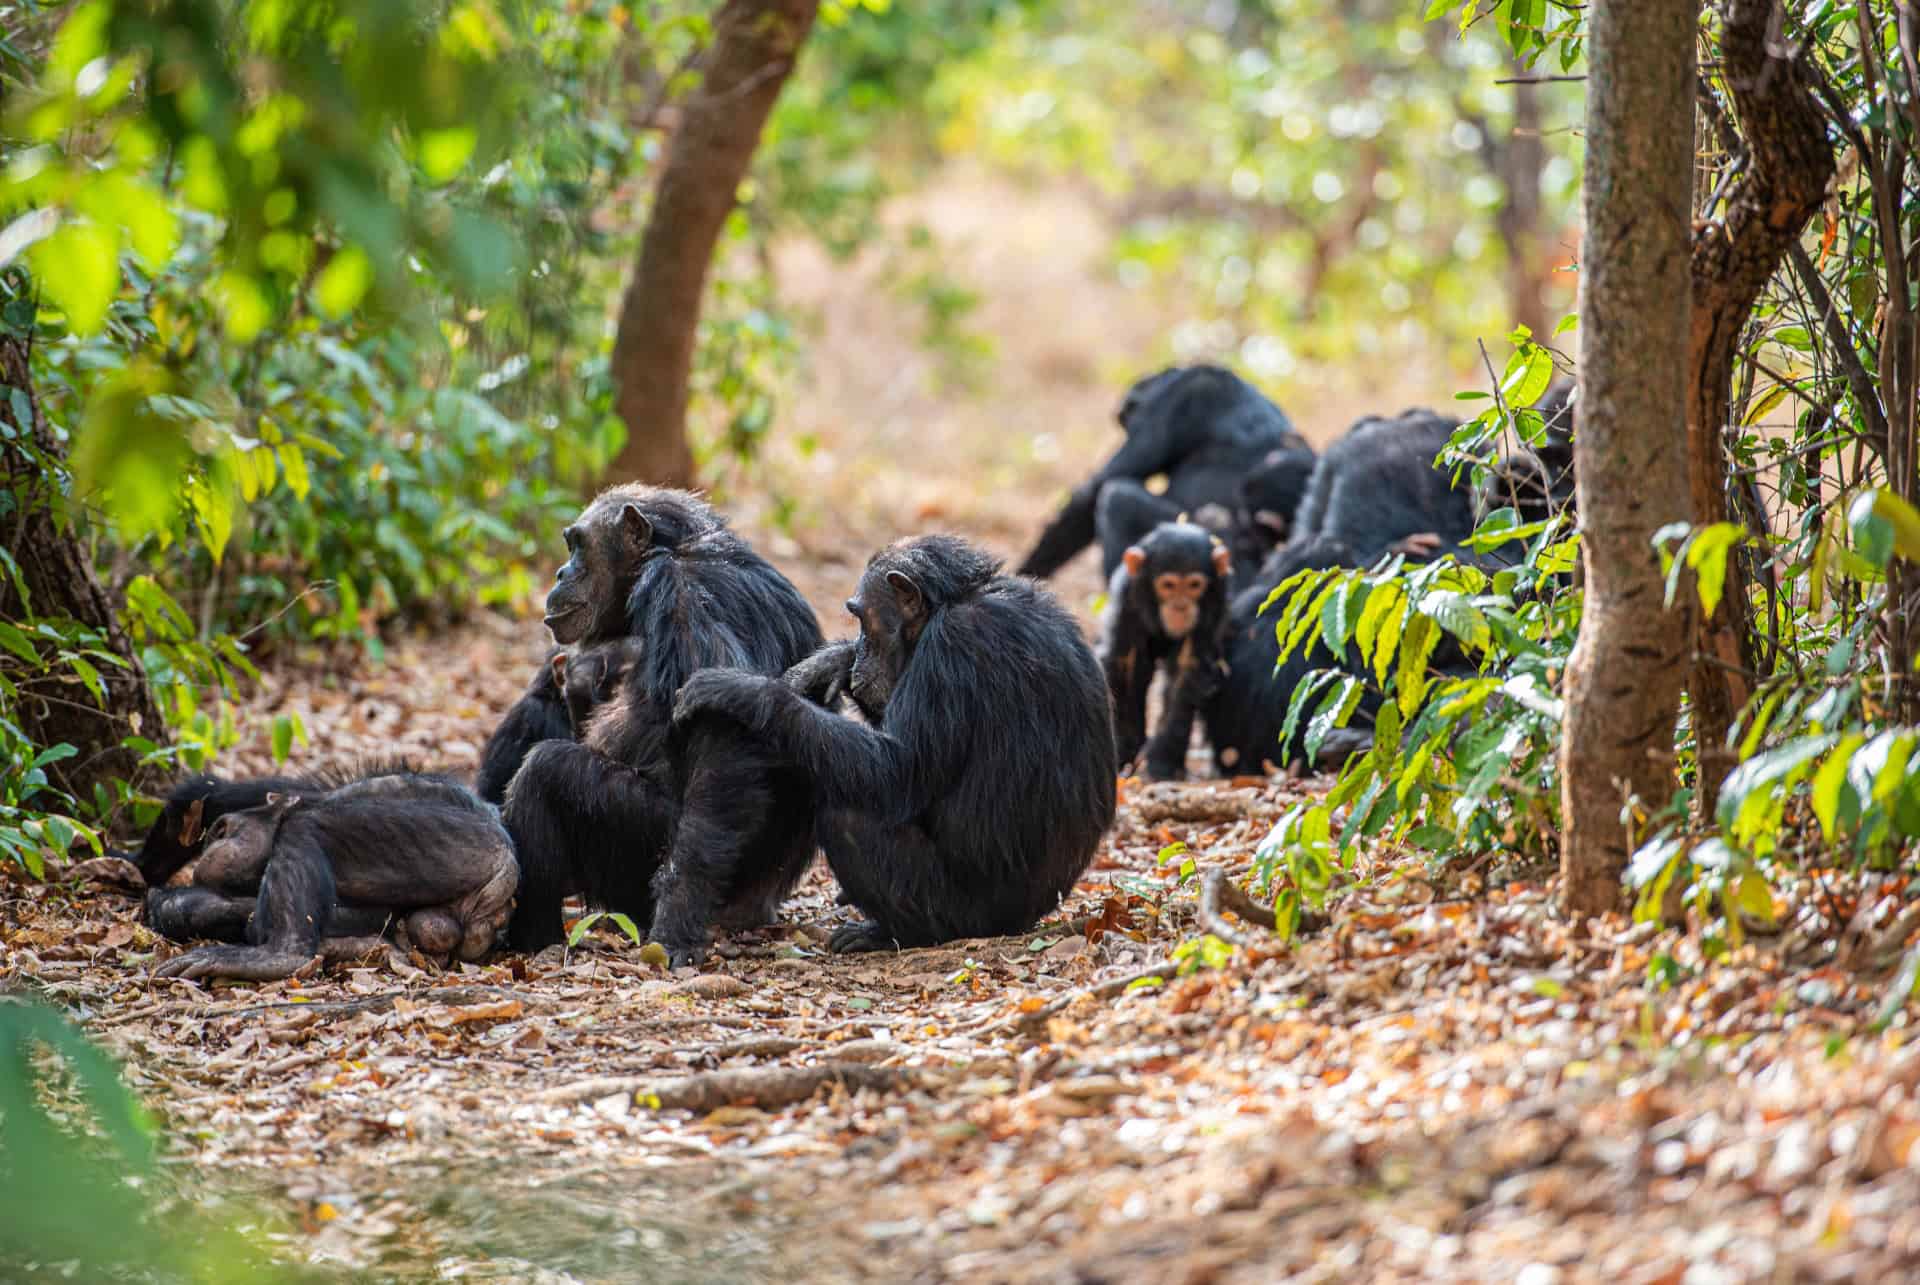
404 848
589 677
1167 604
981 782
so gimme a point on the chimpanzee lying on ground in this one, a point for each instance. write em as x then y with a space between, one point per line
395 848
981 782
1203 427
598 596
1166 605
597 817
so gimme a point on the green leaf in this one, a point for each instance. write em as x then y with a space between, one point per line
78 266
293 462
1569 322
341 285
282 738
18 643
444 153
1830 780
1707 556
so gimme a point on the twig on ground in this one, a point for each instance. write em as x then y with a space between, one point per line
1160 972
769 1087
385 1000
1219 893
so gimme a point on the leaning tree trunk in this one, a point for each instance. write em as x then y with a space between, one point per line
753 50
1736 250
54 706
1629 662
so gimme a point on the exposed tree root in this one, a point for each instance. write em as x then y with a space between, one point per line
768 1086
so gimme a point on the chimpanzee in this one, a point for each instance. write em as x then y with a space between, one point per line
1377 491
178 834
597 817
588 677
1246 714
407 847
982 779
1204 427
597 597
1166 605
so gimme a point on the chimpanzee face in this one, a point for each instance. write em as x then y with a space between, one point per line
1142 392
892 611
605 549
1178 565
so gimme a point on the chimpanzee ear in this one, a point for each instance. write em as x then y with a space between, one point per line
912 602
1274 522
634 525
1134 559
282 802
1222 560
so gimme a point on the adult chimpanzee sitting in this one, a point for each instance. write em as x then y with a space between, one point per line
393 848
596 817
1205 429
981 782
598 596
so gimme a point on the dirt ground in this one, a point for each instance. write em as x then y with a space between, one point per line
1447 1082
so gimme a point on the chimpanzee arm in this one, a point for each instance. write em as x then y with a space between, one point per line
194 913
539 715
289 921
1129 670
851 765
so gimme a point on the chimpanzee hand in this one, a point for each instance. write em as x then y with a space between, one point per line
865 935
1424 544
731 692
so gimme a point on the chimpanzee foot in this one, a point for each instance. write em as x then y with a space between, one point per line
686 955
1166 769
866 935
237 963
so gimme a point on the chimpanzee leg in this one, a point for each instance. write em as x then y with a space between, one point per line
483 914
293 915
583 823
1129 669
743 840
1124 513
193 913
1196 680
912 895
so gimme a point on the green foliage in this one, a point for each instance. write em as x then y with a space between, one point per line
1464 760
78 1155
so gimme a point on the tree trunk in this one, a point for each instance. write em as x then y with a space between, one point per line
753 50
1517 162
1736 251
1629 662
54 706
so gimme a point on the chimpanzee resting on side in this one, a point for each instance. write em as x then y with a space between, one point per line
1166 605
980 784
405 848
1205 428
596 817
594 600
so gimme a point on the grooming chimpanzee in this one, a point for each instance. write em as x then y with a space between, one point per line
982 780
539 715
1166 605
596 817
405 848
1204 428
1376 491
589 677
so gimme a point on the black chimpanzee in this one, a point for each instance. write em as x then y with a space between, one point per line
982 779
1376 491
1204 428
1246 714
589 677
596 817
1166 605
406 848
179 833
597 596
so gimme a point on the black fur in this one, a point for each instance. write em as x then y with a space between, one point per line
1203 427
982 779
418 849
597 817
1186 635
539 715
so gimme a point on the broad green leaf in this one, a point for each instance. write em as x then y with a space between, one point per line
78 266
294 462
342 284
444 152
1707 556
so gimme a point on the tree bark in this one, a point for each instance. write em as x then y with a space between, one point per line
754 46
54 706
1629 661
1736 250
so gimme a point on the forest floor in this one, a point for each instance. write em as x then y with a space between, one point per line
1447 1081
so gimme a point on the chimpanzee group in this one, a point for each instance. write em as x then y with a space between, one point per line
683 750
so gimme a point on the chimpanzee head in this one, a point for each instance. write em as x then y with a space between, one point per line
1144 390
239 843
606 545
1271 494
588 676
1518 480
1177 572
906 586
